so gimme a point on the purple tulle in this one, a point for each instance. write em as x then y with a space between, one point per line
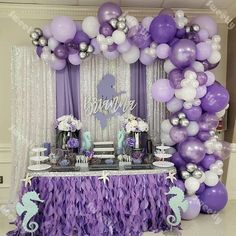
126 205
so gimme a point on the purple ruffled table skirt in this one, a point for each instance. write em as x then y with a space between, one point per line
126 205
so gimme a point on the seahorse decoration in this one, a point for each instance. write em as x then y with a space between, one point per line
176 203
30 209
86 141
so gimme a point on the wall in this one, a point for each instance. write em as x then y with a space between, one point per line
13 34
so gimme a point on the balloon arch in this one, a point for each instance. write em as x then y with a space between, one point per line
195 100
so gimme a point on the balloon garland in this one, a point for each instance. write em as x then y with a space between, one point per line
192 96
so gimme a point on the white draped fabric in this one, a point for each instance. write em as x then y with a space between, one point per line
33 109
156 112
91 72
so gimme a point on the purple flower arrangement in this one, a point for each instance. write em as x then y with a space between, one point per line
73 143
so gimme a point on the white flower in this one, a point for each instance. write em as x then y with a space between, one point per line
134 123
68 123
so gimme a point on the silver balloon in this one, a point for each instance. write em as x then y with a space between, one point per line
191 167
43 41
184 122
38 31
174 121
185 174
197 174
34 35
90 49
83 47
121 25
125 30
113 23
83 55
35 42
181 115
195 28
188 29
122 18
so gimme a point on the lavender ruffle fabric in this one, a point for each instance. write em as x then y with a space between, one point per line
126 205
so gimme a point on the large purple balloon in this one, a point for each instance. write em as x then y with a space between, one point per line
207 161
183 53
163 29
214 199
178 134
194 113
175 77
208 122
166 11
61 51
162 91
192 150
106 29
216 98
80 37
108 11
201 189
178 160
194 207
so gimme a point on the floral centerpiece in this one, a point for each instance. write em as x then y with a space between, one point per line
68 127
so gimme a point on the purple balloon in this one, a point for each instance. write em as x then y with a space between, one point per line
202 78
166 11
173 41
194 208
61 51
106 29
175 77
203 35
207 161
108 11
145 58
203 135
192 150
47 32
178 160
203 51
58 64
112 47
39 50
162 90
80 37
194 113
214 199
124 47
216 98
208 122
178 134
193 36
163 29
180 33
96 46
163 51
180 184
208 66
183 53
201 189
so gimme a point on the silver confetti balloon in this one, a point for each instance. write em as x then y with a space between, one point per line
38 31
34 35
126 29
181 115
43 41
184 122
174 121
90 49
35 42
113 23
197 174
195 28
83 47
83 55
185 174
121 25
191 167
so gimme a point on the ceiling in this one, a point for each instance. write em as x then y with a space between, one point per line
197 4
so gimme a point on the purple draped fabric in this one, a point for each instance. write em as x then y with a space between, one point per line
68 91
138 89
126 205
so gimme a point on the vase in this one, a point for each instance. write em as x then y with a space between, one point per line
137 138
62 138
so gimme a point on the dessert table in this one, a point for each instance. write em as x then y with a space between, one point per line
114 202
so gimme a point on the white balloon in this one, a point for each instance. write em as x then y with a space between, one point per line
101 38
132 55
198 66
103 47
216 38
46 56
202 179
187 94
212 178
214 168
188 74
214 57
52 43
168 66
118 37
166 139
131 21
166 126
146 22
174 105
219 163
193 128
91 26
221 113
192 185
179 14
46 49
109 40
220 172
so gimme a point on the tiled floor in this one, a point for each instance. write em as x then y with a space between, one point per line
223 224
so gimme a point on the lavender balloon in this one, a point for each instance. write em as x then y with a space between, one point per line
192 150
108 11
203 51
39 50
57 64
163 51
208 122
194 208
111 55
61 51
183 53
145 58
194 113
201 91
96 46
124 47
224 152
106 29
174 105
175 77
216 98
80 37
202 78
146 22
163 29
204 135
112 47
178 134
